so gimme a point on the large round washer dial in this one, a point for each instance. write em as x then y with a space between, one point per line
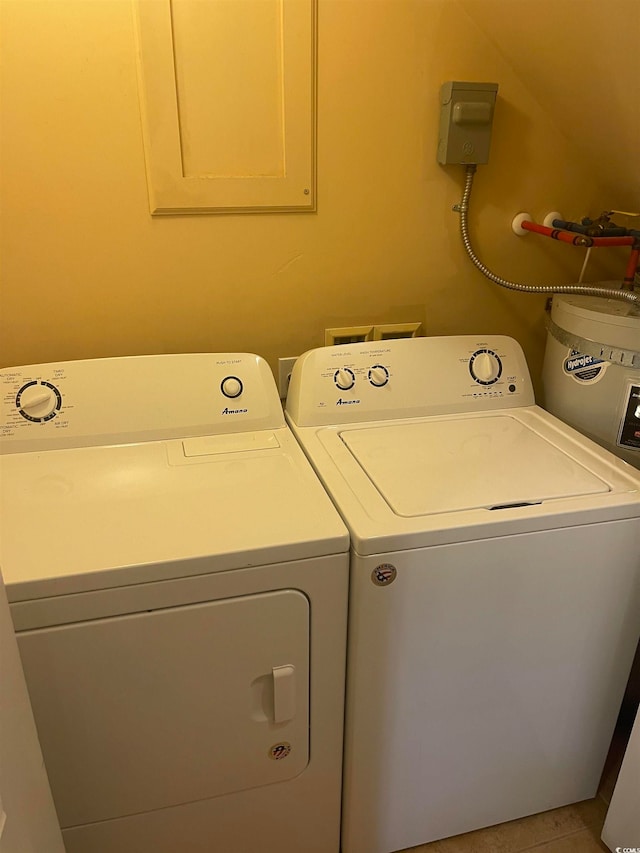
344 378
378 375
485 367
38 401
231 386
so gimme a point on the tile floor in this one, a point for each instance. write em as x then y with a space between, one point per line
571 829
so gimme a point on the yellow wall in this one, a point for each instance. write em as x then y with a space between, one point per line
87 272
579 58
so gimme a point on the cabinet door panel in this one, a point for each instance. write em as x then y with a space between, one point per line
227 91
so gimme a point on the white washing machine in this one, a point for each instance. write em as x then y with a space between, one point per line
178 583
494 592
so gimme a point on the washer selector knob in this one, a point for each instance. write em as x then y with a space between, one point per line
485 367
344 378
378 375
231 387
38 401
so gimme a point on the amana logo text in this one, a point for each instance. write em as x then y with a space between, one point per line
226 411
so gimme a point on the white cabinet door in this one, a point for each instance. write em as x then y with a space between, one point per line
227 93
28 821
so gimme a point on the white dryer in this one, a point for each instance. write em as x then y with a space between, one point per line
495 585
178 584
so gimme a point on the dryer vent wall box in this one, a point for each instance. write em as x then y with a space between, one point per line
181 614
466 118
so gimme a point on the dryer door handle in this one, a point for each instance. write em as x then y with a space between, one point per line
284 693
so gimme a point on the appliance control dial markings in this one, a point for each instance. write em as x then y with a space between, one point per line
485 367
38 401
232 387
344 378
378 375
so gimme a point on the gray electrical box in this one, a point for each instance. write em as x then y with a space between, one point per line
466 117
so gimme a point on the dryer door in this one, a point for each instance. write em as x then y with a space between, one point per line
154 709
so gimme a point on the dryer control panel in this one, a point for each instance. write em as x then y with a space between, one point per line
139 398
415 377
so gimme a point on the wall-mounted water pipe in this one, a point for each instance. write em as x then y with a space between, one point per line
632 298
594 229
576 239
602 226
586 241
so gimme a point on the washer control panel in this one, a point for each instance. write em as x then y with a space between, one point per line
345 377
119 400
408 378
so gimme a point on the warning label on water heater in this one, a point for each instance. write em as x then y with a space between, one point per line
630 426
584 368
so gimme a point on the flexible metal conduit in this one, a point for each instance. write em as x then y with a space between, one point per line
584 290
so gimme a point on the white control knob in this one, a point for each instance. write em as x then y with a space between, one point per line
344 378
231 386
485 367
38 402
378 375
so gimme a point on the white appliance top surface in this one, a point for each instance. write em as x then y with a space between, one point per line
438 440
452 465
433 481
118 512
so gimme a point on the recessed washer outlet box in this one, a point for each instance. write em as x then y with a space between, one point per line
389 331
347 335
379 332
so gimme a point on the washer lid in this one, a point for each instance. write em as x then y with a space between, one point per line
442 466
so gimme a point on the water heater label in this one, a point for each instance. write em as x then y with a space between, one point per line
630 425
584 368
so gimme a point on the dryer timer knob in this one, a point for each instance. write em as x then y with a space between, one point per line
38 401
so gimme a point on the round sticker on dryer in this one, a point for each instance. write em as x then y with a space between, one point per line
584 368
